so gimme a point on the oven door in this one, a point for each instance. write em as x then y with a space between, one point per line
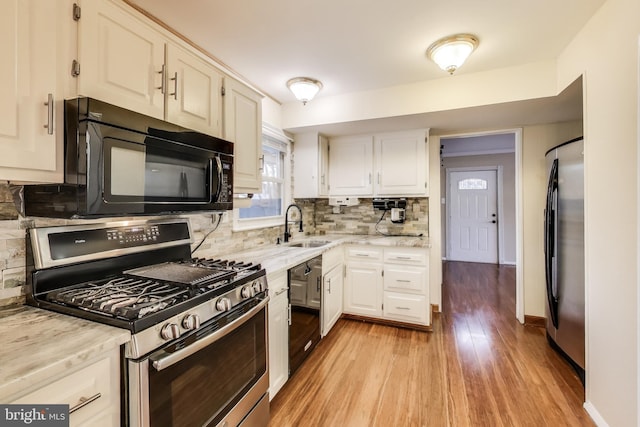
217 377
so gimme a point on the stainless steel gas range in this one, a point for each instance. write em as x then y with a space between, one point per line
198 352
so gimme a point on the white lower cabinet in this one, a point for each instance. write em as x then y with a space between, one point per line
389 283
92 392
332 288
278 332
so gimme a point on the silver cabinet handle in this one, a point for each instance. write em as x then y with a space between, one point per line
378 177
281 291
175 86
49 105
369 177
403 280
84 401
363 255
163 81
402 257
403 308
329 285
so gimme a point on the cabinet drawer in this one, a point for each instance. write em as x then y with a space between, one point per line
404 278
364 253
94 384
406 256
405 307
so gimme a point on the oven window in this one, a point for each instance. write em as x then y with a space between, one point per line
201 389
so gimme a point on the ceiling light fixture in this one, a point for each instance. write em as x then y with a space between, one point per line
304 88
451 52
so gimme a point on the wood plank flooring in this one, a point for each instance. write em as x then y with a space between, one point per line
479 367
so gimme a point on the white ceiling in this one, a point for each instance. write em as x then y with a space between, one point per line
358 45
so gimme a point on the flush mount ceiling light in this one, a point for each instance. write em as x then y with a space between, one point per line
304 88
451 52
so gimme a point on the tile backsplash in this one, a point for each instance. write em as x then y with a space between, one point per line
318 218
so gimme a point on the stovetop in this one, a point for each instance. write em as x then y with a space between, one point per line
131 282
146 290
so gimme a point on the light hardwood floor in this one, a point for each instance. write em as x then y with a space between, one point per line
479 367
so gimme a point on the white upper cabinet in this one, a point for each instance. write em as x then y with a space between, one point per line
351 166
310 166
390 164
401 166
122 60
127 60
194 92
243 127
35 37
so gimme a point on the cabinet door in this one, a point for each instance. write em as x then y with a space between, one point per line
243 127
278 343
93 392
323 166
311 166
363 289
121 59
333 283
401 164
351 166
29 32
194 92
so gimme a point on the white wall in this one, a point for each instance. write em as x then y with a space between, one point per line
606 51
535 80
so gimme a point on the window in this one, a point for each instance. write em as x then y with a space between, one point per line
472 184
267 207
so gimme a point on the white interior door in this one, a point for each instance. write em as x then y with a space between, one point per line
473 216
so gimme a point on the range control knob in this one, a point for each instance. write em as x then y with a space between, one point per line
191 322
247 292
258 286
170 331
223 304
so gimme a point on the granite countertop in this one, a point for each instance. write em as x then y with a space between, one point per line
39 344
276 258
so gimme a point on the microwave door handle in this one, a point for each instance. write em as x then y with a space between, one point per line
219 189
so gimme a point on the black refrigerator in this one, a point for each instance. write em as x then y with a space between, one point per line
564 252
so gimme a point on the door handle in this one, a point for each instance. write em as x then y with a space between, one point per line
175 86
49 105
494 221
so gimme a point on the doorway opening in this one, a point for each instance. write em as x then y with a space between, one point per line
478 157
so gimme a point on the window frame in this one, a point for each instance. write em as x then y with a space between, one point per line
282 143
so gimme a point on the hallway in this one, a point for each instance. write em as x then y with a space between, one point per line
479 367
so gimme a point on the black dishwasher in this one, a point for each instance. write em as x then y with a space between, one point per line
305 295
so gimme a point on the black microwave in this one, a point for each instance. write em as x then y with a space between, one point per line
119 163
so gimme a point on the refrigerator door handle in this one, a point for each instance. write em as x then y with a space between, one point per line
550 222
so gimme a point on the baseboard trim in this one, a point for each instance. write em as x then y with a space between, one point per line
594 414
423 328
537 321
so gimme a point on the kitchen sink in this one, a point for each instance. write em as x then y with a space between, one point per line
310 244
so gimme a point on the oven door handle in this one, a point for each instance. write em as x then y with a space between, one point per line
163 362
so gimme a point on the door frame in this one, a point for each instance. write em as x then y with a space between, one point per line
499 199
517 132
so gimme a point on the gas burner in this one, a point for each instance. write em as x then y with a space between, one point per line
223 264
122 297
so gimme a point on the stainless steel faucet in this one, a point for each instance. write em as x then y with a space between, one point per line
286 221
